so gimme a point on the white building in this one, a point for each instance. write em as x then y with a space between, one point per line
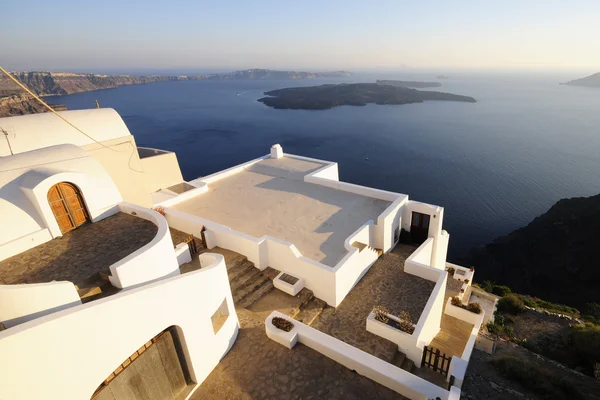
94 290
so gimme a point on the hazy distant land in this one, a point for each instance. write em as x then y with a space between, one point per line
355 94
589 81
408 84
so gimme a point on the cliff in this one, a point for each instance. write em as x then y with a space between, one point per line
355 94
555 257
589 81
20 104
60 83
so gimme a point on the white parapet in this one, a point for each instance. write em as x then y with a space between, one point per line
276 151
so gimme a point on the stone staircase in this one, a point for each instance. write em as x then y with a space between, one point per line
95 287
249 285
401 361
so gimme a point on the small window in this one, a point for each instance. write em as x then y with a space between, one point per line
220 316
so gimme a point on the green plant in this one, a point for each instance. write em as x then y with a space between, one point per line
585 340
511 303
544 383
451 270
593 310
474 308
493 328
283 324
501 291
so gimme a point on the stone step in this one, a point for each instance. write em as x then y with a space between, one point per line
408 365
311 310
248 287
239 269
265 288
304 296
271 273
401 361
243 278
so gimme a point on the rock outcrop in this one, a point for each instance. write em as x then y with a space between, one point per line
555 257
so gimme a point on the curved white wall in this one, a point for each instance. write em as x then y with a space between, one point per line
66 355
155 260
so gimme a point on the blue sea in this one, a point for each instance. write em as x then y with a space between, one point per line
493 165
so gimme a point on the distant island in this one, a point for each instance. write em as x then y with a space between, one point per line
409 84
14 101
355 94
588 81
443 77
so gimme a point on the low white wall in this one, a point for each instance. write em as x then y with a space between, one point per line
422 257
419 264
462 314
155 260
431 318
46 354
24 243
440 251
22 303
407 343
182 252
459 365
365 364
319 278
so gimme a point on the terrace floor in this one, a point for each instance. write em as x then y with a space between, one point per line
271 198
81 253
256 367
385 284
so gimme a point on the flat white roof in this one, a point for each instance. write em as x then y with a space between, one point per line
271 198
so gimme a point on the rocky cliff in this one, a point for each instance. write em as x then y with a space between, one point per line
555 257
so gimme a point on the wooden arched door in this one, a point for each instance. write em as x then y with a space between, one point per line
67 205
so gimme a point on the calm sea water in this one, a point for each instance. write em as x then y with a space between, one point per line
493 165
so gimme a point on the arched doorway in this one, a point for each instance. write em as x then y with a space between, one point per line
67 205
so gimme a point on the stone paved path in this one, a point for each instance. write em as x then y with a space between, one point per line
385 284
79 254
258 368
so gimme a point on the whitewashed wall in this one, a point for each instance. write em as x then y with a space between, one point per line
154 260
22 303
363 363
47 353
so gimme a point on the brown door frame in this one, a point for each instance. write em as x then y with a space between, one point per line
67 206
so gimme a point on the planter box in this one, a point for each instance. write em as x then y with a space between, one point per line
406 342
290 288
462 314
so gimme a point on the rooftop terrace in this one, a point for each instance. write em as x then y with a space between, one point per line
81 253
271 198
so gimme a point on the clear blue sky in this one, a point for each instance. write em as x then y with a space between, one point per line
323 34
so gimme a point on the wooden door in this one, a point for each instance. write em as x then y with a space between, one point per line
419 227
68 206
